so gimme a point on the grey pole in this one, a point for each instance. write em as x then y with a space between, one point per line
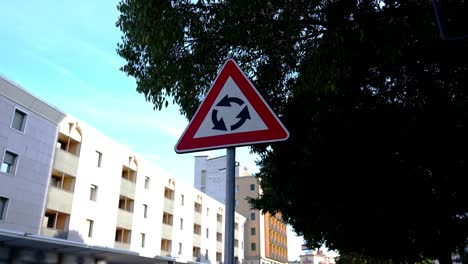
230 197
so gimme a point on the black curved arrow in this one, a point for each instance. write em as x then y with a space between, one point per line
243 115
218 124
226 101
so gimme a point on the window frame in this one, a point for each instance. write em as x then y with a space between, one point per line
24 121
253 247
11 169
93 192
4 208
90 227
145 211
253 216
99 159
253 231
147 182
143 240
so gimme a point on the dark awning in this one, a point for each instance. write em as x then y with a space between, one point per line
11 239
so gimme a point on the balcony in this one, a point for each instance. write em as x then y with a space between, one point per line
122 245
55 224
65 161
127 188
197 218
166 232
168 205
196 240
55 233
124 219
59 200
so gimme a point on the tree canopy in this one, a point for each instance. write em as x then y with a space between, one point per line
374 99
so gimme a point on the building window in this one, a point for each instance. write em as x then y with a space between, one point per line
147 182
169 194
252 231
207 211
236 226
93 192
126 203
236 243
196 252
252 187
181 224
143 237
207 233
219 218
9 163
203 181
180 249
90 225
197 207
167 218
219 257
98 158
129 174
253 246
182 199
19 120
123 235
252 216
166 246
219 237
237 188
197 229
56 220
3 207
145 211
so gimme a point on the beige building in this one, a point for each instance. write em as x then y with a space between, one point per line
265 235
316 257
66 185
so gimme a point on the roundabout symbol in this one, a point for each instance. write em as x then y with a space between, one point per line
219 124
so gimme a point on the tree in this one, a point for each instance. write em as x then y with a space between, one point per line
374 99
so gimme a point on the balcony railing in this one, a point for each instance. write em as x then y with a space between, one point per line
196 240
59 200
122 245
66 162
56 233
124 219
166 231
127 188
168 205
197 217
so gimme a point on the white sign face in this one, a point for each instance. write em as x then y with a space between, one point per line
231 113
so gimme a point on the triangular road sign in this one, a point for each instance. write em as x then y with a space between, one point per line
232 114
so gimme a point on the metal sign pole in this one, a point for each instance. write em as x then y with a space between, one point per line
230 198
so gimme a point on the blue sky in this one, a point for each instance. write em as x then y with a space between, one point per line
65 53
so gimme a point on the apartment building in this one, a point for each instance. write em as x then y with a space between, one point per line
28 131
65 183
265 235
